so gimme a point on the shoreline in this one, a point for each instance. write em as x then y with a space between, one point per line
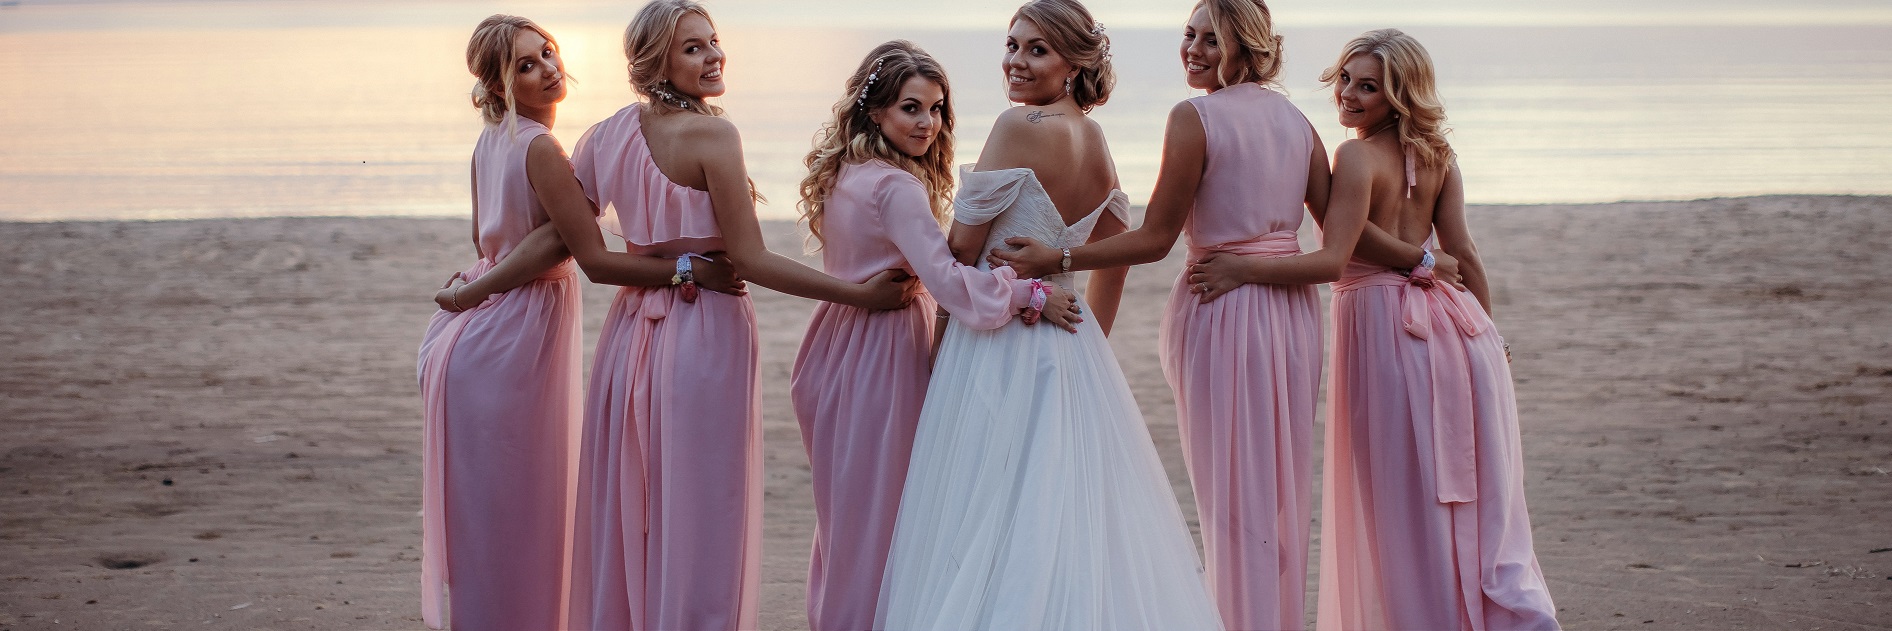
1136 209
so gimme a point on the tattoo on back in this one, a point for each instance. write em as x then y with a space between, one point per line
1039 115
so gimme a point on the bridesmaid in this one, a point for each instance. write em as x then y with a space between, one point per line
668 524
1239 165
878 192
499 376
1425 522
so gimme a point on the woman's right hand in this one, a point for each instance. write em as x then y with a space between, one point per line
717 274
1061 309
890 289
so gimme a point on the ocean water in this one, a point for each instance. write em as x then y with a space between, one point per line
163 110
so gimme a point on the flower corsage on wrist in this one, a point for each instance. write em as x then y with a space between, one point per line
1421 274
685 278
1040 291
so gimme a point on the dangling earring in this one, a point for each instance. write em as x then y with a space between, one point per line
1067 86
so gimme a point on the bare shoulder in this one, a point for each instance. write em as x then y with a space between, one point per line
544 151
1355 158
710 131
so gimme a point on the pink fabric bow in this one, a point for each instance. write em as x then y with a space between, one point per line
1453 432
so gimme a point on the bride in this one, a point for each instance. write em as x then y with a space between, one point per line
1035 499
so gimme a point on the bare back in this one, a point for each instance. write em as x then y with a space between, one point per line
676 145
1407 219
1065 150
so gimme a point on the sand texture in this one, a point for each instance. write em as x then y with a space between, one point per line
215 424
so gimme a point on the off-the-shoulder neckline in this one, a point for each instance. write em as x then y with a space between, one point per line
1033 175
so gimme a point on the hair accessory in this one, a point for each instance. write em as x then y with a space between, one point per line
871 76
1098 30
672 99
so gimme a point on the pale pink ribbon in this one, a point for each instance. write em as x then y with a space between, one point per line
433 473
1453 439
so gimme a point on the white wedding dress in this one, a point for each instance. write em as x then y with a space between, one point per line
1035 499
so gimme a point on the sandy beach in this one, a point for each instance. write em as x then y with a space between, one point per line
215 423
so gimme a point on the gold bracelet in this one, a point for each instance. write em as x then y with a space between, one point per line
455 299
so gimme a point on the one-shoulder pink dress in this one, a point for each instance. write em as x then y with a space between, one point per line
499 384
1424 523
1246 366
861 377
669 519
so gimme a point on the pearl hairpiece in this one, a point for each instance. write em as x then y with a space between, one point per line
871 76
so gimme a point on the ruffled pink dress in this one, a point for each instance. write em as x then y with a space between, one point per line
861 377
1424 523
669 519
499 383
1246 366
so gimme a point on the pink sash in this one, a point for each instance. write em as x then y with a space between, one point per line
1453 443
1274 244
433 478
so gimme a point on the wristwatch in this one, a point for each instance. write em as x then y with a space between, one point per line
1064 266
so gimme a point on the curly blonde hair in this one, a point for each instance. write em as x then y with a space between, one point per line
1409 86
851 137
489 58
1074 35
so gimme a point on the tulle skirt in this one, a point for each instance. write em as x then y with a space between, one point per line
1035 499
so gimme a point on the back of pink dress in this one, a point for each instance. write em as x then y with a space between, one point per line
500 388
1246 367
669 516
860 378
1424 523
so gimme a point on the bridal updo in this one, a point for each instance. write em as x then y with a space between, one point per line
1073 34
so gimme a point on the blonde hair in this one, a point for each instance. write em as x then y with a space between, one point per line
1074 35
647 52
647 43
489 58
1256 49
1409 86
851 137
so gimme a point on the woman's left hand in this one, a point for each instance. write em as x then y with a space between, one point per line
454 298
1217 274
1031 260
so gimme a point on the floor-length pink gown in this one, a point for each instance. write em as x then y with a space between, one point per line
1246 366
499 384
669 519
861 377
1424 523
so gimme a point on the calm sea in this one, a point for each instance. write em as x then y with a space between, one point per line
145 110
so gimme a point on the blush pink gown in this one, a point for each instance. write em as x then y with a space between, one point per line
861 377
669 516
1246 366
1425 525
499 384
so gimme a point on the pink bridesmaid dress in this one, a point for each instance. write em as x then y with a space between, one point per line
499 384
1246 366
1425 525
669 516
861 377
